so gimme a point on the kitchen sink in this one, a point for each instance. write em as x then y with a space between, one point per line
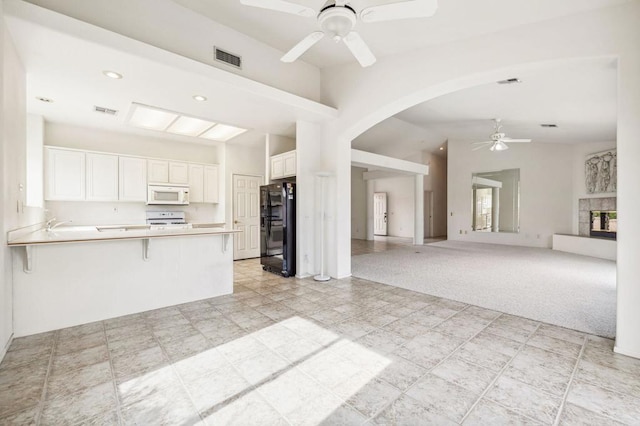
208 225
109 228
73 228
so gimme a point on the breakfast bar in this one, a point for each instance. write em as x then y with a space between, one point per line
79 274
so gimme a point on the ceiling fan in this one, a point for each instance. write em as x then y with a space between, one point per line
336 19
498 140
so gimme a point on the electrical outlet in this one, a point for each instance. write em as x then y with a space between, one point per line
465 231
461 231
115 210
538 236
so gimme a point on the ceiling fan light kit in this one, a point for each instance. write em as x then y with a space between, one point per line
337 20
498 140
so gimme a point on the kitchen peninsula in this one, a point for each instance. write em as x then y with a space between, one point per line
79 274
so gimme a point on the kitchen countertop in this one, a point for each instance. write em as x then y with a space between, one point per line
76 234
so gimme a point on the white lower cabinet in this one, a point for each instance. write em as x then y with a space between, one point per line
65 173
133 179
101 177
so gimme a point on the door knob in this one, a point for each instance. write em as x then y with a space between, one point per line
235 221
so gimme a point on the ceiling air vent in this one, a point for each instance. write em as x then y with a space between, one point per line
510 81
104 110
228 58
549 125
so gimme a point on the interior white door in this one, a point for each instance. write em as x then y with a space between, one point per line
246 216
380 213
428 213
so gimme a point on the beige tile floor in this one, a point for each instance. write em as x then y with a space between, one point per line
384 243
289 351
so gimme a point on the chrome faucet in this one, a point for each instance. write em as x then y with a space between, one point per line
51 225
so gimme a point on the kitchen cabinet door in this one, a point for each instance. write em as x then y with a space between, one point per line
133 179
196 183
64 174
158 171
178 172
101 177
277 167
289 160
211 190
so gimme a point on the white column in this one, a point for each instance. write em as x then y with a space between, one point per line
418 218
495 209
308 150
371 188
628 285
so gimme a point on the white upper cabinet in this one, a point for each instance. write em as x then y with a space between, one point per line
178 172
211 185
101 177
74 175
133 179
65 173
158 171
283 165
289 160
196 183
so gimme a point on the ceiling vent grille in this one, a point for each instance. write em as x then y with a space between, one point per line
549 125
510 81
104 110
228 58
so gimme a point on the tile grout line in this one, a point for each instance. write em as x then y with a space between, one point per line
43 395
498 376
113 375
570 383
429 370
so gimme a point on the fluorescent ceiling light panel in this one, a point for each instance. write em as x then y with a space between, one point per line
222 132
151 118
189 126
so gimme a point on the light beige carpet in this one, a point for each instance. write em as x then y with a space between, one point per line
564 289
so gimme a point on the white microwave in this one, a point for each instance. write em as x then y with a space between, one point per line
158 193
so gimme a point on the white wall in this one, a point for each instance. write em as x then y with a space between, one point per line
358 204
400 204
35 160
546 191
242 160
13 214
580 152
192 35
93 139
279 144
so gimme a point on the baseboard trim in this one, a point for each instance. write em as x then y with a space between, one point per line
6 347
617 350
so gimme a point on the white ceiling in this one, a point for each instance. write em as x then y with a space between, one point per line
579 96
454 20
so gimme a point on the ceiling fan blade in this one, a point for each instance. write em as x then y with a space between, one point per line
341 2
400 10
509 140
304 45
479 147
478 143
281 6
359 48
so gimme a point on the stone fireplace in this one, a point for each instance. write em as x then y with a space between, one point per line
586 209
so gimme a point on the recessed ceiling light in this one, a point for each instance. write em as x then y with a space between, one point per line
200 98
549 125
442 148
222 132
510 81
112 74
151 118
45 100
189 126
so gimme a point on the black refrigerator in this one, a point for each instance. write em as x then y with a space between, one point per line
278 228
